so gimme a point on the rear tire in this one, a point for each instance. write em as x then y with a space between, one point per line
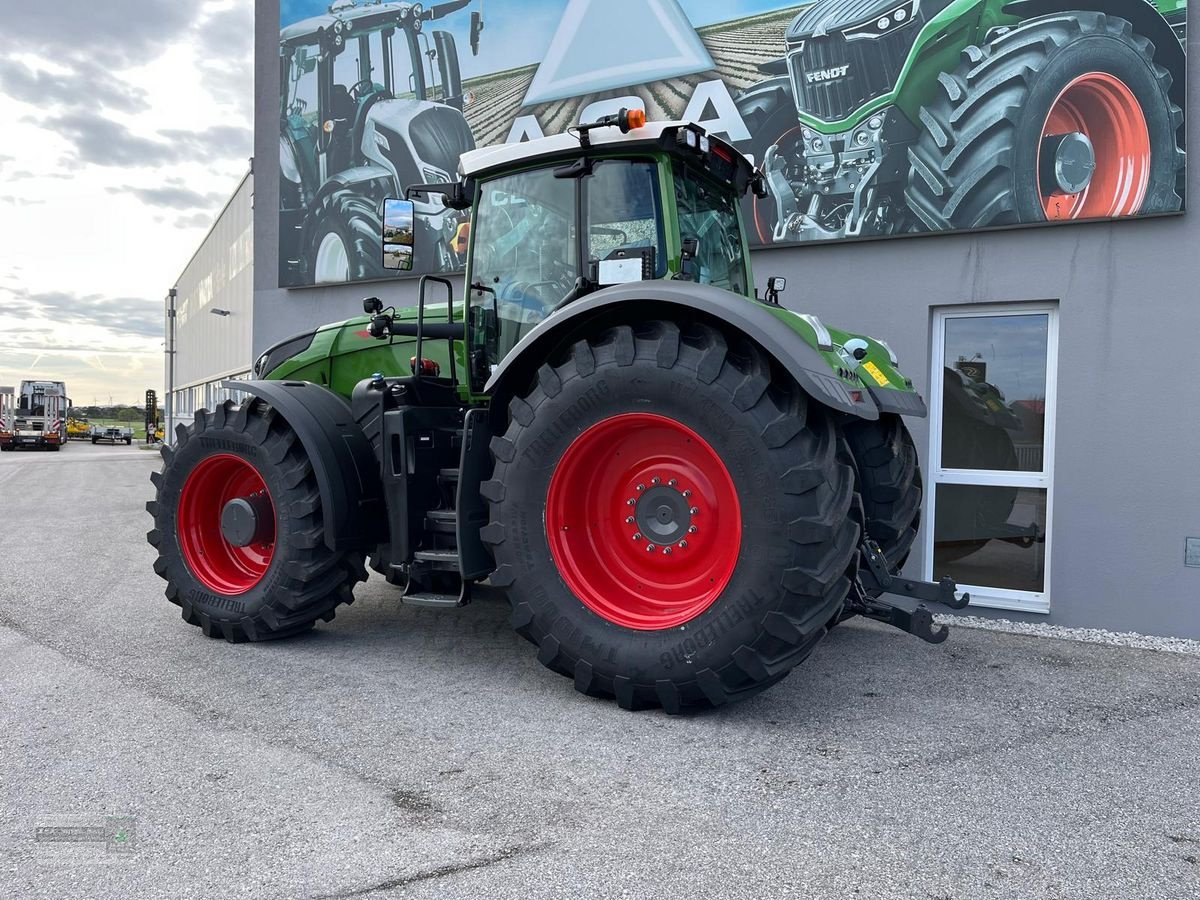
694 404
273 588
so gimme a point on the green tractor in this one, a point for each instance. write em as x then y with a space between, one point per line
892 116
680 486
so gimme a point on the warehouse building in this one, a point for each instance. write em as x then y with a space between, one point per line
208 313
1072 340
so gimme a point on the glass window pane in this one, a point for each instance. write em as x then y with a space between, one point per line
624 211
994 399
991 536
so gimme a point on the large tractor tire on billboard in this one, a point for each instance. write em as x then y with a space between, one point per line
1062 117
346 240
675 527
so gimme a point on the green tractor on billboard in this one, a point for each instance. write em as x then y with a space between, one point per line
368 106
680 486
888 117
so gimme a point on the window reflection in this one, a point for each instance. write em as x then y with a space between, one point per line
994 536
994 400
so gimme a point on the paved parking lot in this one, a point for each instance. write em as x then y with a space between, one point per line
402 753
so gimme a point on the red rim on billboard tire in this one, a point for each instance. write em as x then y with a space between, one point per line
643 521
238 528
217 562
657 436
1103 110
1066 116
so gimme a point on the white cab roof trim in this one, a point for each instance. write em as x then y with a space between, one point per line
485 158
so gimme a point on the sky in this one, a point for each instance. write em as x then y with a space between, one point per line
127 126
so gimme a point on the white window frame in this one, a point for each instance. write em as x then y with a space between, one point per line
983 596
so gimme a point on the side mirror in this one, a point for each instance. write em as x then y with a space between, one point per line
398 235
476 30
448 68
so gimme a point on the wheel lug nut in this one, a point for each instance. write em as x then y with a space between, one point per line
656 480
693 530
638 536
673 482
694 510
683 545
630 520
641 487
631 502
667 551
687 493
649 548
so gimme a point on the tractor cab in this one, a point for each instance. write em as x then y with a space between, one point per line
610 203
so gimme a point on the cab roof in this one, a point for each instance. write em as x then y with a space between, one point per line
361 15
651 136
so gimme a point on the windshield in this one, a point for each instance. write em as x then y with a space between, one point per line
709 213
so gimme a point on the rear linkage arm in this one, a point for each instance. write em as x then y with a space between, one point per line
903 609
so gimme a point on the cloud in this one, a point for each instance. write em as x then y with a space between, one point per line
86 85
102 141
174 194
115 34
124 315
225 44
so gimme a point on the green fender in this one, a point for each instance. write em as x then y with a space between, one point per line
643 300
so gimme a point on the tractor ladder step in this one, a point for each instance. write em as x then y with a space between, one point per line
434 601
441 521
438 560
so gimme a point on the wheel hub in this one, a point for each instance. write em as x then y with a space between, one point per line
663 514
1068 161
248 520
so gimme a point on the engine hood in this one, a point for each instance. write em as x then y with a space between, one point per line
828 16
411 136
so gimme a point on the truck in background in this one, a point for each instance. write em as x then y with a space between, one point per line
39 418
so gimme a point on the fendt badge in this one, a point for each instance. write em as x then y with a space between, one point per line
827 74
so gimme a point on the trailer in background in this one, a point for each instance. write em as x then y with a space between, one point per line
38 418
112 434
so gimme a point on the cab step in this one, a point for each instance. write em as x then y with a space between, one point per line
438 560
434 601
441 521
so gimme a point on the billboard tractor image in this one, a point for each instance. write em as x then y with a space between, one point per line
868 118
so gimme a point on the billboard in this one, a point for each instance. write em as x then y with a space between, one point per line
869 118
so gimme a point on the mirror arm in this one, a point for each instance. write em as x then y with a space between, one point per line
457 194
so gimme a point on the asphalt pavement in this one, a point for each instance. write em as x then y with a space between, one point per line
405 753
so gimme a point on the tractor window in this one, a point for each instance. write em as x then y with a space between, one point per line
523 248
302 101
709 213
624 210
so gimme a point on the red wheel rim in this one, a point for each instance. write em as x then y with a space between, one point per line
218 564
1102 107
643 521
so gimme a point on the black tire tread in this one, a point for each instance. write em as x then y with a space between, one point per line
313 583
824 535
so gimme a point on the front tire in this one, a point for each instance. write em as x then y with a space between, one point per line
979 160
281 577
707 596
889 479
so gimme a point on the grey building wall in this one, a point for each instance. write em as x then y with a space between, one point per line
219 275
1127 483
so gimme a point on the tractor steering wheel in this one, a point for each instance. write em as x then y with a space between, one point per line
360 89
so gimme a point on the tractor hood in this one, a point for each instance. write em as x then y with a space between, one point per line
418 141
832 16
